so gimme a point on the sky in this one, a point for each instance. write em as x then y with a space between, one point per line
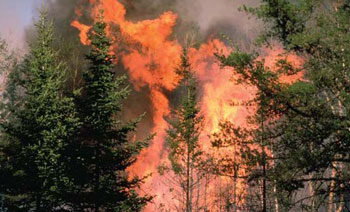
15 16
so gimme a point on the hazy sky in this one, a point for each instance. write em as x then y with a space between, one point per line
15 16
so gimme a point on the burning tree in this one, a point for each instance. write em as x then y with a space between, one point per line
308 119
229 162
246 157
185 154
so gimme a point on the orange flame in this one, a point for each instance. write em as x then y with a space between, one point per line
151 62
84 29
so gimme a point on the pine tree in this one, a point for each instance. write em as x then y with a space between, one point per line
102 150
308 123
8 66
185 153
36 130
247 158
7 63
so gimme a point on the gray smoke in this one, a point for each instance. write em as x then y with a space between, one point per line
205 18
15 17
220 16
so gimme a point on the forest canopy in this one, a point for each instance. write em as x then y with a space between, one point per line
130 105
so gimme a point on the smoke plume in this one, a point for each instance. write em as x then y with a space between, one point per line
150 34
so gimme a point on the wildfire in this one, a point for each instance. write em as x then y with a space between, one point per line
84 29
151 61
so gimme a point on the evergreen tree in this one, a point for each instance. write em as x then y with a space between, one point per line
185 153
247 158
8 65
102 150
36 130
308 120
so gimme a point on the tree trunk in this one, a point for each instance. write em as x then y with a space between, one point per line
38 202
188 167
97 181
188 184
263 165
264 184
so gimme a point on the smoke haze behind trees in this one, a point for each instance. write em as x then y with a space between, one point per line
16 17
202 19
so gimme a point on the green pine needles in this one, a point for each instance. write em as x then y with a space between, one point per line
68 152
37 130
102 152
